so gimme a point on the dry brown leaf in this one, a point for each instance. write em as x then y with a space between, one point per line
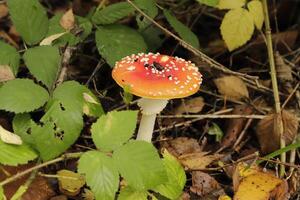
51 38
235 126
203 184
6 73
252 182
67 21
70 182
182 145
193 105
232 87
283 70
197 161
39 189
267 128
3 10
59 197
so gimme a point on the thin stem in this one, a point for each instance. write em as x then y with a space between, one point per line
146 127
274 85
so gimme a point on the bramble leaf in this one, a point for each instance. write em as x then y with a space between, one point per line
22 95
117 41
256 10
43 62
209 2
9 56
231 4
149 7
183 31
30 19
237 28
128 193
100 173
114 129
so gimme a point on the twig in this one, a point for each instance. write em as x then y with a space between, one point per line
204 57
239 139
213 116
100 63
274 84
290 96
27 171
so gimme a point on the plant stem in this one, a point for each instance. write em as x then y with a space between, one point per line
27 171
146 127
274 84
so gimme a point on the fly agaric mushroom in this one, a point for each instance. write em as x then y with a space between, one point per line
156 78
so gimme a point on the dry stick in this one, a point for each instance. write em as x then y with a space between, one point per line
27 171
274 84
290 96
214 116
204 57
241 136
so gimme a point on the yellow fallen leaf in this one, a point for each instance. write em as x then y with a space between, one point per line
197 161
6 73
70 182
224 197
237 28
232 87
256 10
231 4
67 21
9 137
48 40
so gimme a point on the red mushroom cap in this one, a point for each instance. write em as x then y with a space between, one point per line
156 76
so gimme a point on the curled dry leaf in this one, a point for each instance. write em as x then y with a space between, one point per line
189 153
232 87
9 137
39 189
67 21
48 40
267 128
70 182
193 105
283 70
253 182
3 10
203 184
6 73
235 126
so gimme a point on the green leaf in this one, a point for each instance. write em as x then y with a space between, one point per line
22 95
215 130
101 174
176 178
43 62
9 56
237 28
153 37
20 191
128 193
212 3
256 10
183 31
114 129
231 4
139 163
92 107
30 19
149 7
14 155
22 124
2 197
112 13
117 41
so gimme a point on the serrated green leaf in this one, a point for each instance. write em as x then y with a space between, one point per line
9 56
215 130
43 62
183 31
237 28
139 163
212 3
176 178
22 95
256 10
112 13
101 174
117 41
14 155
114 129
149 7
30 19
231 4
22 124
128 193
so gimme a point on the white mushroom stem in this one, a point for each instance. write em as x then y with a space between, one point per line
150 108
